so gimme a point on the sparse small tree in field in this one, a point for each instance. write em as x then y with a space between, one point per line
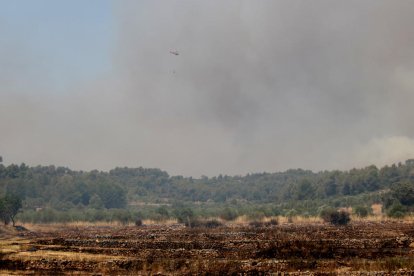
9 207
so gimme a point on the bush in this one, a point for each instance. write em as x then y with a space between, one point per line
204 224
335 217
121 215
273 222
229 214
362 211
184 215
404 192
138 222
258 224
397 210
162 213
291 213
212 223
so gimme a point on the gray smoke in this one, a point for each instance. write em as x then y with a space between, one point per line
257 86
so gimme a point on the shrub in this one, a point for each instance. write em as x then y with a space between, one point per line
212 223
273 222
195 223
335 217
404 192
184 215
291 214
162 213
258 224
138 222
121 215
397 210
229 214
362 211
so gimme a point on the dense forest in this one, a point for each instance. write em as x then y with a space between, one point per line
53 193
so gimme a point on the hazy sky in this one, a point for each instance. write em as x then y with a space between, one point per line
257 85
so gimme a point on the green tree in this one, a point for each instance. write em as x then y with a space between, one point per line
184 215
112 195
330 187
404 192
96 202
9 207
163 213
304 190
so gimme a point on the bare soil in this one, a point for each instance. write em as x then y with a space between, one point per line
310 249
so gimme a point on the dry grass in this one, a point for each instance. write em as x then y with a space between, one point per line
386 264
154 222
46 252
57 225
243 220
377 216
376 209
12 245
368 218
382 218
46 226
305 220
16 272
7 231
62 255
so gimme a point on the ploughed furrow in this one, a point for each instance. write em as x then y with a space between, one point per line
316 248
280 249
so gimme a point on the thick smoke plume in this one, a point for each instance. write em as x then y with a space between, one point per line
257 86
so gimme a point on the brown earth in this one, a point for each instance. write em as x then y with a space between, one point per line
361 247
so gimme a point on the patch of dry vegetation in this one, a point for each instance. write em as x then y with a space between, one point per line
12 245
307 245
51 255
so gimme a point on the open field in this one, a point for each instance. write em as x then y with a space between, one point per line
304 248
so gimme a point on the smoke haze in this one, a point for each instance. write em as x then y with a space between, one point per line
257 86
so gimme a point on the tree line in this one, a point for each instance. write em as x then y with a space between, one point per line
61 189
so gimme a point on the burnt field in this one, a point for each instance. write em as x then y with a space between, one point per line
385 247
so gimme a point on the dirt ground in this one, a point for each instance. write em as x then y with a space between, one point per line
300 249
